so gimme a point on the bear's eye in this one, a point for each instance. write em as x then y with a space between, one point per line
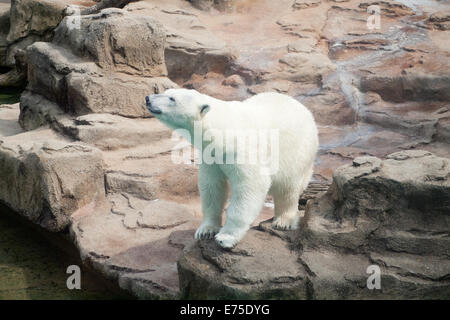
204 108
172 99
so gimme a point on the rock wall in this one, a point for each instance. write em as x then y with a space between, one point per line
46 179
393 214
105 66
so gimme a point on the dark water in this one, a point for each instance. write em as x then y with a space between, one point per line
10 95
32 267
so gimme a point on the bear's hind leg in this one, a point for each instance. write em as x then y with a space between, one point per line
287 215
286 210
213 187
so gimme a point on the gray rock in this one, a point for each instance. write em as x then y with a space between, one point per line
102 4
261 266
8 119
392 213
31 21
86 74
46 178
36 111
396 210
117 41
409 87
4 29
111 132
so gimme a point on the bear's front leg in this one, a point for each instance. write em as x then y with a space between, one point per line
248 192
213 187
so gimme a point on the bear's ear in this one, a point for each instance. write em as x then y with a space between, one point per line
204 109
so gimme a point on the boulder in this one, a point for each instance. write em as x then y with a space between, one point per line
261 266
45 178
191 48
106 69
31 21
116 41
391 214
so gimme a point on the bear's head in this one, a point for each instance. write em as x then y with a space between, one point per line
178 108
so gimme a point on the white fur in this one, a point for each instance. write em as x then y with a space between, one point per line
298 144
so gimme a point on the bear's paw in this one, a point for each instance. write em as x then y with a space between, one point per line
206 232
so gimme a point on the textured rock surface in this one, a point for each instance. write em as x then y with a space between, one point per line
46 178
392 213
261 266
4 28
373 92
28 21
106 69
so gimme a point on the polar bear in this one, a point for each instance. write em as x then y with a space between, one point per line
296 147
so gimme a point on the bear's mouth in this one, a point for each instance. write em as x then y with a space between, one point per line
153 109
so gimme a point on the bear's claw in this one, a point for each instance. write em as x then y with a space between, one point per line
226 240
281 223
206 232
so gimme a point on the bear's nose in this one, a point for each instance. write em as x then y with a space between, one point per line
150 107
